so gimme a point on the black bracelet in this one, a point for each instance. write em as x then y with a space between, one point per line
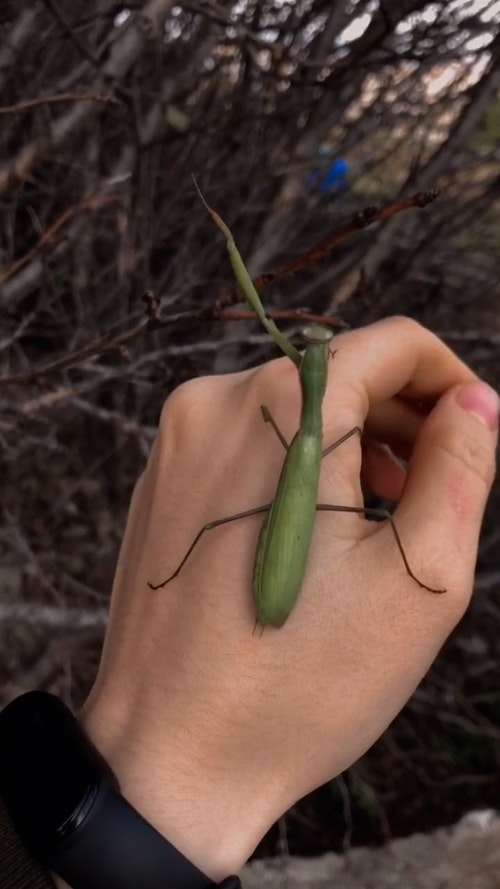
65 804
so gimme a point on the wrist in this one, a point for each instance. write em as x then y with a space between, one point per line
58 882
184 784
62 805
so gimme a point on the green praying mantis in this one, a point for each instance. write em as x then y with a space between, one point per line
286 533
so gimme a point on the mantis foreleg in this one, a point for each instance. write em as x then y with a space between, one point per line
268 418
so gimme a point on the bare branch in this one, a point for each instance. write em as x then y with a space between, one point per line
108 343
50 236
29 104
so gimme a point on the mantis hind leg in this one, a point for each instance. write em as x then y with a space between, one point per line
383 514
208 527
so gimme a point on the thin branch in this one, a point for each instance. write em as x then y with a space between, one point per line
70 32
223 17
487 580
286 315
54 616
28 104
123 56
360 221
48 238
109 343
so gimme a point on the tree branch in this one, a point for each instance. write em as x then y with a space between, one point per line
107 342
28 104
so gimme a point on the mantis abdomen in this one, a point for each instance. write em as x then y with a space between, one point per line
285 536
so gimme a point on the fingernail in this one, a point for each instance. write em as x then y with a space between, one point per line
481 400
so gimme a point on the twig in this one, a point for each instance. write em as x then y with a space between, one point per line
107 343
70 32
358 222
54 616
487 580
28 104
48 237
224 18
286 315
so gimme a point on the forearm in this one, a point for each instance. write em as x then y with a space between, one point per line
188 784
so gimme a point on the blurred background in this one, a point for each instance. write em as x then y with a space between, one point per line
293 116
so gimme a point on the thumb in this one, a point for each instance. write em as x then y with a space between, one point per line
449 478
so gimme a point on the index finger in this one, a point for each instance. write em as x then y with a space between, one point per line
396 356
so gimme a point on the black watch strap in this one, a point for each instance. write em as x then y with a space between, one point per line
66 806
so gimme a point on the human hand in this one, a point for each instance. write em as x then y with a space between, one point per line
213 730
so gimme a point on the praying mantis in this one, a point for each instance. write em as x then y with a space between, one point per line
285 536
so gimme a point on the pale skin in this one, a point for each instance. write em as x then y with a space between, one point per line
214 731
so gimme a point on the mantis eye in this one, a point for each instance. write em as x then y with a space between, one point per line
317 334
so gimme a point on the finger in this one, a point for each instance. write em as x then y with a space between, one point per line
391 357
396 423
449 478
390 432
394 357
381 472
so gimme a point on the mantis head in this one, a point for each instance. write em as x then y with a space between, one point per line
317 335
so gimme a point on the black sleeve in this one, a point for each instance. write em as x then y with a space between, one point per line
18 870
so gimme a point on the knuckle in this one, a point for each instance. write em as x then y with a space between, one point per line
179 400
471 454
407 326
276 373
409 323
175 407
275 381
184 411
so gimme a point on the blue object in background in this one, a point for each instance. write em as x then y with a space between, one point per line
333 181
